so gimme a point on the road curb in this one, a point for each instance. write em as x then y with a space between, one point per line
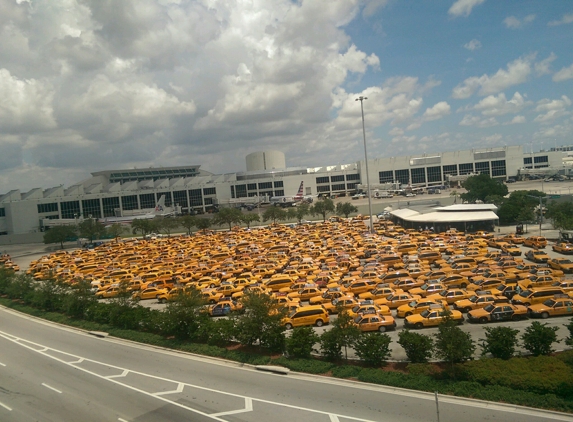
274 369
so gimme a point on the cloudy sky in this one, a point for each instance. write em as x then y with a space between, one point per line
88 85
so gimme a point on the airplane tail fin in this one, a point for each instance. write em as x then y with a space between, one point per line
300 190
160 206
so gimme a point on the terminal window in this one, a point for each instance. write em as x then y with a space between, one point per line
419 175
351 186
403 176
265 185
386 176
279 184
451 169
434 174
2 212
180 198
195 198
241 191
252 186
498 168
338 187
541 159
209 191
323 189
466 168
70 209
280 192
483 167
109 206
323 179
53 207
354 176
339 178
147 200
527 160
129 202
91 207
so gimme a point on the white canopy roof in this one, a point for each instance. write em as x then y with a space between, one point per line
444 217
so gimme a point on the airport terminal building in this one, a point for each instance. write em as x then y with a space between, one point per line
189 188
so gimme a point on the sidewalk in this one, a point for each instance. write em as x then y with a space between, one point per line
547 231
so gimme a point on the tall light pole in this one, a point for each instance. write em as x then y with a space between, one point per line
361 99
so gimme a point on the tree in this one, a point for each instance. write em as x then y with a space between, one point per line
301 211
167 225
538 338
345 329
275 214
561 213
250 218
228 216
143 225
345 209
323 207
115 230
261 322
500 342
301 342
188 222
59 234
373 349
518 206
418 347
569 340
91 229
455 194
452 344
184 317
203 223
480 186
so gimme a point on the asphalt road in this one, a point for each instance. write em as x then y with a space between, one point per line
52 373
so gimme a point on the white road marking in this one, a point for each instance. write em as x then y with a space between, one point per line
5 407
333 418
178 390
121 420
122 375
389 390
248 408
51 388
1 364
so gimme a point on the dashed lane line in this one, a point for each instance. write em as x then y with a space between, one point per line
41 349
51 388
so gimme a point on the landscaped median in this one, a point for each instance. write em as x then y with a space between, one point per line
543 382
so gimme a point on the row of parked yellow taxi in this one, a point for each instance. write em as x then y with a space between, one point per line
316 270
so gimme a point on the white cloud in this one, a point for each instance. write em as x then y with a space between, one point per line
473 45
493 105
516 120
568 18
470 120
516 73
552 109
492 139
463 7
512 22
438 111
564 74
372 6
542 67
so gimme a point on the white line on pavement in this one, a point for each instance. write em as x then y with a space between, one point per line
5 407
51 388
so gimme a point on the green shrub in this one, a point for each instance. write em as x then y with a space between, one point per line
301 342
538 338
541 375
423 369
373 349
500 342
569 340
346 371
418 347
330 344
310 366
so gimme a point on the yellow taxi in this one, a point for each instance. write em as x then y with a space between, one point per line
451 296
368 307
417 306
344 302
563 248
149 293
562 264
559 305
432 318
374 322
397 299
498 312
478 301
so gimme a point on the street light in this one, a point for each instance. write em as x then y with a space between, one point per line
361 99
540 210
